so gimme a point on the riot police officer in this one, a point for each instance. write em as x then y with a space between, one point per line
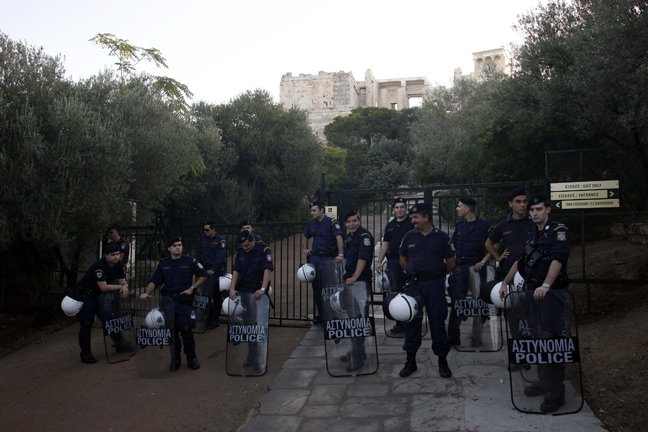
394 232
251 273
327 245
468 239
104 276
211 253
543 265
114 233
512 231
427 255
176 274
358 252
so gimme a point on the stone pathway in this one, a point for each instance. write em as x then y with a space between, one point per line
303 397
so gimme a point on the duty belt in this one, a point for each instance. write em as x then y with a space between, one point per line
249 285
323 254
184 299
426 276
468 260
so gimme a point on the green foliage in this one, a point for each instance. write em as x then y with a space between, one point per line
333 165
277 156
386 165
128 56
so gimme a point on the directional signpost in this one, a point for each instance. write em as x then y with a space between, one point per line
585 195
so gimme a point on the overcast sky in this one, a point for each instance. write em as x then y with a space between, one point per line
223 48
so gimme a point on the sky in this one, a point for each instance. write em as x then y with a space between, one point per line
223 48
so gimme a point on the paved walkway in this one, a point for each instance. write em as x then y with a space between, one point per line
303 397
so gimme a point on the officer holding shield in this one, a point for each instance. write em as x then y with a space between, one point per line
176 274
543 265
326 233
104 276
394 232
211 252
251 274
468 239
426 253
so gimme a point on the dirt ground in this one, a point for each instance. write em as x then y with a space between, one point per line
45 387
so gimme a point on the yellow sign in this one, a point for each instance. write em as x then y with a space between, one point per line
582 186
586 204
331 211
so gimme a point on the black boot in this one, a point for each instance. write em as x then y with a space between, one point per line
84 344
410 365
444 369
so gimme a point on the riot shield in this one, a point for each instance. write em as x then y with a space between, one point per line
247 335
119 338
395 283
473 324
201 302
543 353
155 337
349 331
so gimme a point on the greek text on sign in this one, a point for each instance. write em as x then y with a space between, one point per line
200 302
543 351
592 194
118 325
153 337
246 333
349 328
473 308
586 204
581 186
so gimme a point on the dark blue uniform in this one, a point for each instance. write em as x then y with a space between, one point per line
211 253
124 248
359 245
469 239
542 247
177 276
324 248
426 257
512 232
251 266
394 233
94 303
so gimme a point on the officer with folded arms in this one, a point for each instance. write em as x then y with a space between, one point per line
426 253
176 274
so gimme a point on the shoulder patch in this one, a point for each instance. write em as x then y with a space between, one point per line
269 257
200 266
561 236
99 273
222 244
367 241
337 226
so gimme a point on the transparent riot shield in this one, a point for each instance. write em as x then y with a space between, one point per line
350 332
247 335
154 337
543 353
473 324
201 302
119 338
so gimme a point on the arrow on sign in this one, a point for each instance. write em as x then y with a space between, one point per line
558 204
612 194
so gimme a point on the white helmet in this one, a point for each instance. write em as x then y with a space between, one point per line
404 308
70 306
495 298
155 319
269 291
518 282
225 282
306 273
382 282
233 308
335 303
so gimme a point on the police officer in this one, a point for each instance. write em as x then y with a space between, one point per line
176 274
427 255
468 239
327 245
358 252
251 273
114 233
246 225
512 231
394 232
543 265
211 253
104 276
